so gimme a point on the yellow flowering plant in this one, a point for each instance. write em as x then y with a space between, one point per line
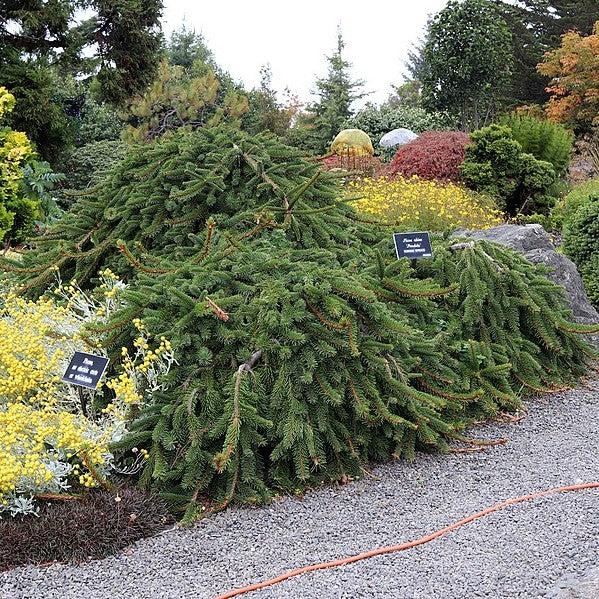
419 204
52 434
17 212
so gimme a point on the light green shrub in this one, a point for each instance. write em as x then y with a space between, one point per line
543 139
570 203
581 243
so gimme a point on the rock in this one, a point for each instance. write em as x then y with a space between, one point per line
569 587
537 246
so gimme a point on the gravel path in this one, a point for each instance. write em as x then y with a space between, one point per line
523 551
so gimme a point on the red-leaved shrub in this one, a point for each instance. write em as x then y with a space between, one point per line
433 155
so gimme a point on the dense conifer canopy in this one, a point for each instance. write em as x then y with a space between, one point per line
305 348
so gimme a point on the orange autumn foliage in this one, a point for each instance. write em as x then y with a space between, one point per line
574 85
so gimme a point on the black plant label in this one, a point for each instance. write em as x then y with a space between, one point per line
413 245
85 370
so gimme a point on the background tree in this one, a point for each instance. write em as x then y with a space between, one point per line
265 112
186 46
178 98
574 86
409 93
536 27
117 41
336 94
467 62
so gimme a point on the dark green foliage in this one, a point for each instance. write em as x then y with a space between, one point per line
118 40
91 527
127 35
305 348
86 167
336 94
185 47
536 27
467 62
37 112
496 164
581 243
543 139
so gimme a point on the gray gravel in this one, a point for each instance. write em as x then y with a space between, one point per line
524 551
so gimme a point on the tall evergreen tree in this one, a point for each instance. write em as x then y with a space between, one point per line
467 61
117 41
336 94
186 46
536 27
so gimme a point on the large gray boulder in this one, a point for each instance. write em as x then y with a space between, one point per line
537 246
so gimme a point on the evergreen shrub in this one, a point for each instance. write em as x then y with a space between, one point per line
543 139
569 204
495 164
581 243
305 348
433 155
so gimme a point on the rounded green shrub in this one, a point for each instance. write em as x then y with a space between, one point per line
581 232
581 243
496 164
543 139
570 203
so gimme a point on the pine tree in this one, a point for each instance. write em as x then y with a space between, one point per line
305 348
336 95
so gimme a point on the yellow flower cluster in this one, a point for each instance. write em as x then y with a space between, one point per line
46 440
146 363
36 432
28 363
27 432
15 148
418 204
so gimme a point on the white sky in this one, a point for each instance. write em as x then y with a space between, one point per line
295 36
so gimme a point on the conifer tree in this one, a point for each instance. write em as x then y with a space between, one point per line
118 42
536 27
336 94
305 348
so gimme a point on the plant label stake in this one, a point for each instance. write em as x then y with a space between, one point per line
85 370
413 245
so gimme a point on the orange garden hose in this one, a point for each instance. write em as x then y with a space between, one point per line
395 548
